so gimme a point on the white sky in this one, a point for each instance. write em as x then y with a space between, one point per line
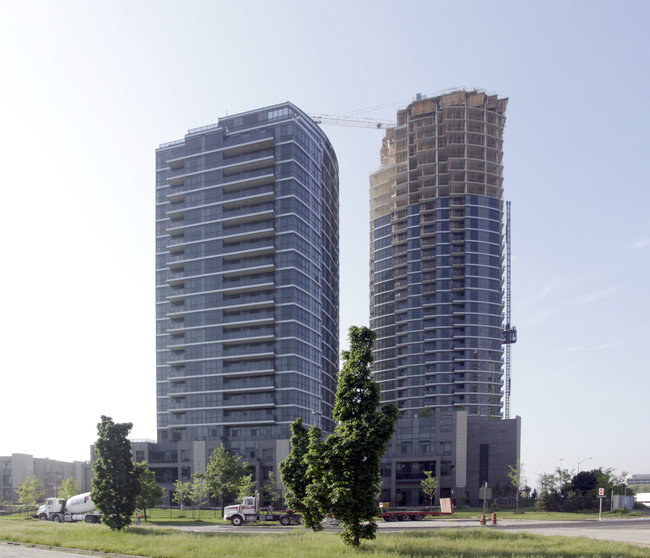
90 89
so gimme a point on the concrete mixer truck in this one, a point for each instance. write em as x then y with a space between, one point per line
75 508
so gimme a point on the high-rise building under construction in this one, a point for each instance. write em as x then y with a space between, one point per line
436 285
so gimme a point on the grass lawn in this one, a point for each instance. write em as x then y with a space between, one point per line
160 542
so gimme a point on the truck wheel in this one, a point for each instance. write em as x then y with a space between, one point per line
42 517
392 518
236 521
56 519
285 520
417 517
89 519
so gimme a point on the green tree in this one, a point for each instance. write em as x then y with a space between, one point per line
293 470
429 486
552 488
317 500
150 491
199 491
584 481
224 474
182 492
352 453
246 487
69 488
271 494
299 473
517 480
31 492
115 484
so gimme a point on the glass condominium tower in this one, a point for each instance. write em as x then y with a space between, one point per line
247 281
436 257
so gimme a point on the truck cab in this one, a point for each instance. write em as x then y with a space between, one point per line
246 511
52 510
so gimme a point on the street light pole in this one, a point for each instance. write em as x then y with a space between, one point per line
581 461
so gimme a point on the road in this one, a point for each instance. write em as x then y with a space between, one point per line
635 531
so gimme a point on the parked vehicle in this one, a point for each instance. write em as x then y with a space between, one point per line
404 514
249 510
75 508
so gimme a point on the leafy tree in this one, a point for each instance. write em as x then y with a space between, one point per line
293 470
298 474
115 485
224 474
610 481
562 492
270 491
429 486
69 488
584 481
182 491
150 491
199 491
352 453
317 501
31 491
517 480
246 487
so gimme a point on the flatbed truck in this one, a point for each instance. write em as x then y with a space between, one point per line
446 508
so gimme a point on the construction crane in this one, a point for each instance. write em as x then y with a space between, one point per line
509 332
349 121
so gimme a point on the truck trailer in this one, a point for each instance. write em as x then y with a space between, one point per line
75 508
446 508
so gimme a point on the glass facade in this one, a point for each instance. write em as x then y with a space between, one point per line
247 272
436 266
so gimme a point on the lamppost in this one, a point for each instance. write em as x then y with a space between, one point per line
585 459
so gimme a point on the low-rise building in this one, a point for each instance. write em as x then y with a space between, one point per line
17 467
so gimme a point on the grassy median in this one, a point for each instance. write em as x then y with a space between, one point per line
159 542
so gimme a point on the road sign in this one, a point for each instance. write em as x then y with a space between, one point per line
601 492
485 493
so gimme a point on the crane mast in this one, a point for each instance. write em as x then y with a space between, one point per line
509 332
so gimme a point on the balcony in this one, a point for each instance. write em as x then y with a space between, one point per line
177 296
175 313
256 145
178 213
176 279
249 231
254 384
249 286
249 179
248 213
248 165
